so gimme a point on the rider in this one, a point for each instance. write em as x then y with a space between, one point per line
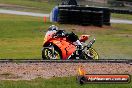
71 36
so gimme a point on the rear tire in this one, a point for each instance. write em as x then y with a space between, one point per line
93 54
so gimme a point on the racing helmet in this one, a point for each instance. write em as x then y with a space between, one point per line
53 27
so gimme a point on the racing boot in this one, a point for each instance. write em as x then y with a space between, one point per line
79 51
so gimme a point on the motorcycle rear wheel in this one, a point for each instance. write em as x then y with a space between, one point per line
93 54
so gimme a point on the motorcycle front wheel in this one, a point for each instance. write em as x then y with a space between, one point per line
48 54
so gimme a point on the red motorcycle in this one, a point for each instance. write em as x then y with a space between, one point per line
56 46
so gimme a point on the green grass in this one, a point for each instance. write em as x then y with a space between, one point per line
114 43
68 82
21 37
122 16
37 6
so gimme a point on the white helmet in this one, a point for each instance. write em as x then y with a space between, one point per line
53 27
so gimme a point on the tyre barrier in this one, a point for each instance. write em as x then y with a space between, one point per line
121 11
97 16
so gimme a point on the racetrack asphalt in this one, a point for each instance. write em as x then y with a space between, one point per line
3 11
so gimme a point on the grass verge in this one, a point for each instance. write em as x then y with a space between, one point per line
21 36
122 16
29 5
65 82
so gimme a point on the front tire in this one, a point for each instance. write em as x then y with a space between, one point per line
48 54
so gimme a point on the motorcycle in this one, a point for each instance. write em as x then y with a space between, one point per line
63 48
